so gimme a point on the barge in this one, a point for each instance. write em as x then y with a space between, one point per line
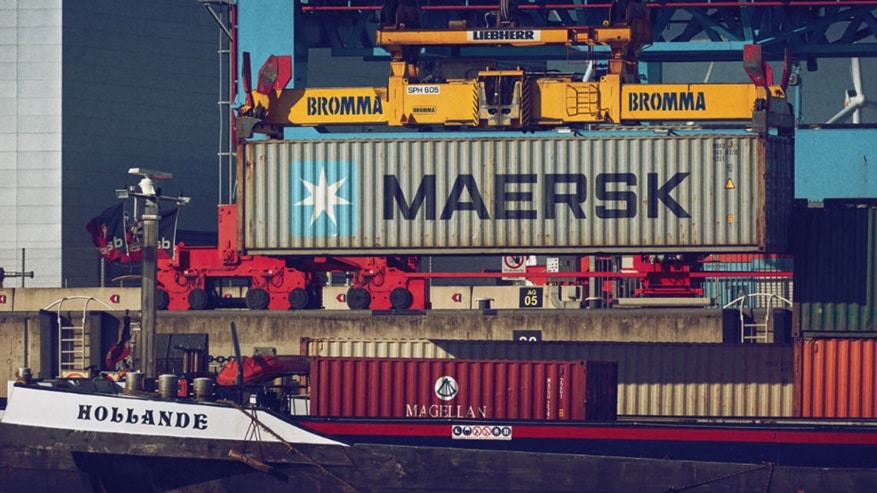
93 435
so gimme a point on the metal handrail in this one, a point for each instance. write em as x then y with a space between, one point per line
61 339
743 325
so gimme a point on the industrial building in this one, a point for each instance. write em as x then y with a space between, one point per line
90 89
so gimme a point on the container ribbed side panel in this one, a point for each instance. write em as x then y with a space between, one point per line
655 379
439 196
836 271
463 389
839 378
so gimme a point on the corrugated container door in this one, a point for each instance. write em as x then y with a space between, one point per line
601 388
836 269
838 378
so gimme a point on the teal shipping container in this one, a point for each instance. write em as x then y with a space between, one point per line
835 249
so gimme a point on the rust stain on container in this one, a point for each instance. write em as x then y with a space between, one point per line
463 389
837 378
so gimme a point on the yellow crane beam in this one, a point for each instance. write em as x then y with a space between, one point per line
518 37
511 99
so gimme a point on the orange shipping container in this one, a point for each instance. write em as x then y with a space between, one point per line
836 378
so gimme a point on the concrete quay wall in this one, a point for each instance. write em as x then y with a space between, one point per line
24 343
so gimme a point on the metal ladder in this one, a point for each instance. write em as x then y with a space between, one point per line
758 331
73 339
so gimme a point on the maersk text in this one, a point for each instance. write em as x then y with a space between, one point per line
531 196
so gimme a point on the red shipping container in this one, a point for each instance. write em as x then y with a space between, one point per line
463 389
837 378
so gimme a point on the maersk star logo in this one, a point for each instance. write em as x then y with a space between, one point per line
323 198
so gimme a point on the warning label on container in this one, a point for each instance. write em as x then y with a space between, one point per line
481 432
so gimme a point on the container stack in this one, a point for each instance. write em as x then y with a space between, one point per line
654 379
836 300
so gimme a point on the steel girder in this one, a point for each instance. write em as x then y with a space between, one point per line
683 29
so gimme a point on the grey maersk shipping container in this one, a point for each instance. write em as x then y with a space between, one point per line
637 192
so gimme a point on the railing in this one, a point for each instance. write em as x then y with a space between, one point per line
72 339
351 5
750 329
